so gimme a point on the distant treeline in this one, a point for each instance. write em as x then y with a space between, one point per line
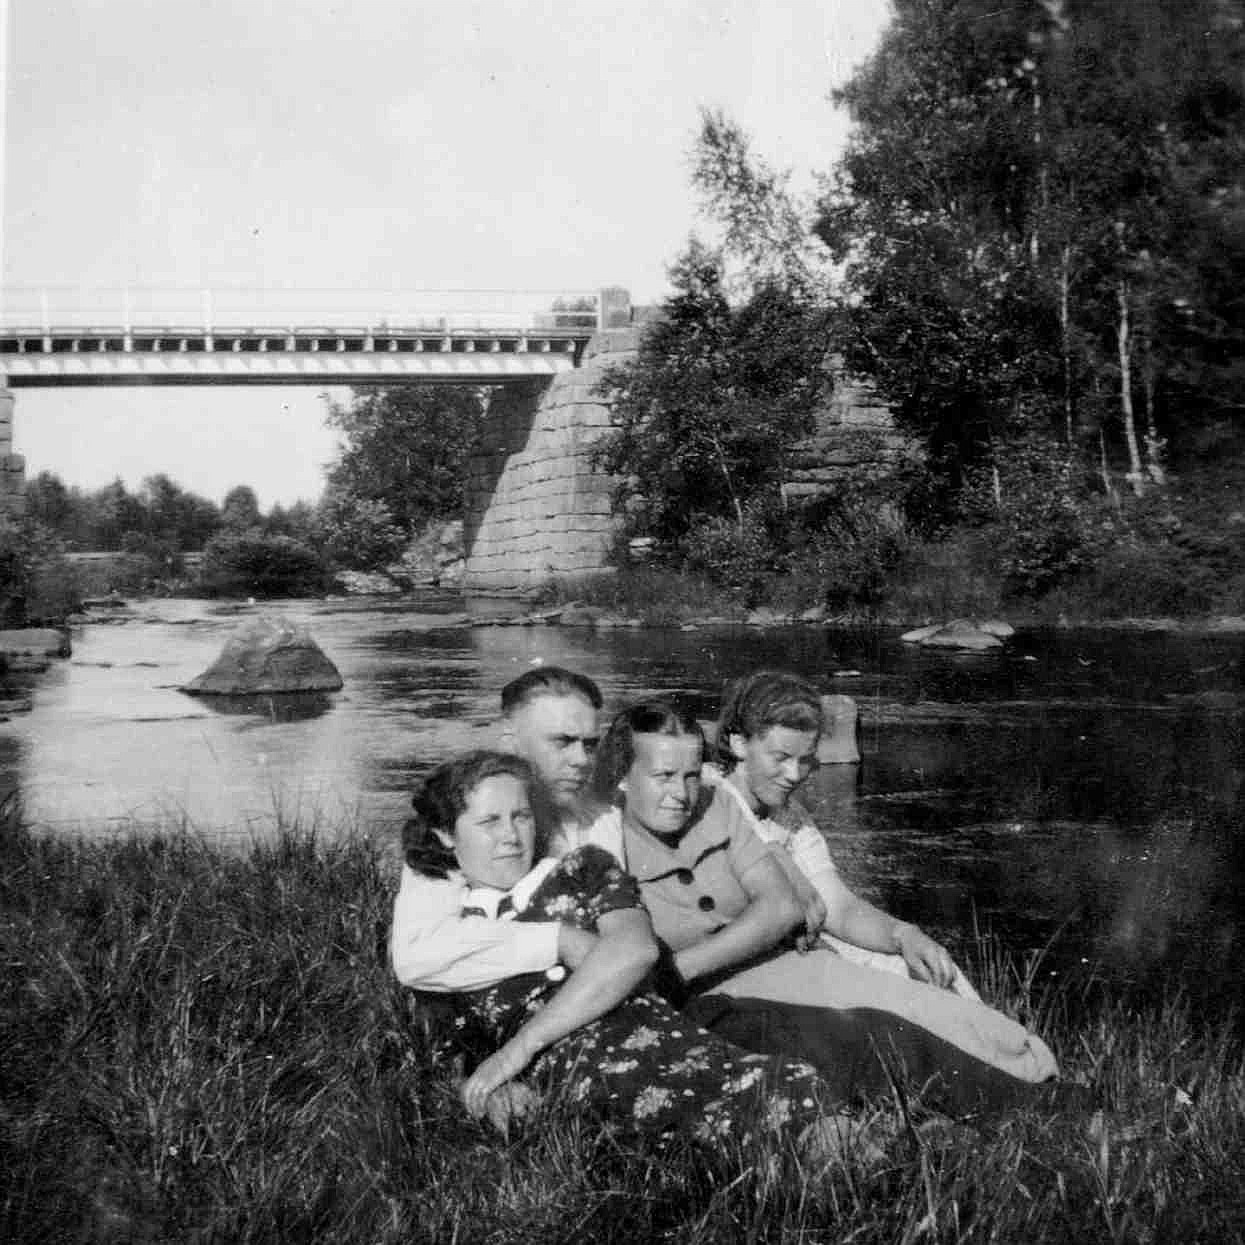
160 519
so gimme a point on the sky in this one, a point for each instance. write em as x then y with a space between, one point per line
330 148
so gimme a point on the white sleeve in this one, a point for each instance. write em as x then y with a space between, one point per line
432 946
812 857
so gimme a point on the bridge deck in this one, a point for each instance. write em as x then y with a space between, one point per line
281 356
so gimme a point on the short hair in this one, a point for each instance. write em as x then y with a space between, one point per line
440 799
766 698
548 681
616 751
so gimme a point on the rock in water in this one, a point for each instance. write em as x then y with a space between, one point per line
839 742
268 655
961 633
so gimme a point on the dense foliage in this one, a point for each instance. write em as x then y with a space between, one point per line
707 413
35 582
404 448
1040 218
250 562
161 517
1033 248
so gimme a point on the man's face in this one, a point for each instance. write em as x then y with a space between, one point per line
663 782
771 765
557 736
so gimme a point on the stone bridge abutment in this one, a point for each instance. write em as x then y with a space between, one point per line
12 466
536 509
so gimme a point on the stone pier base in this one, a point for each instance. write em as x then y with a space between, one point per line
536 510
12 466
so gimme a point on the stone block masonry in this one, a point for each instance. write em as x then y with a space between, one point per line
855 441
12 466
535 509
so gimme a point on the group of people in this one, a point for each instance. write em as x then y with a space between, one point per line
652 929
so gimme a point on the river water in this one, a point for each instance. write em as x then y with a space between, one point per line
1081 790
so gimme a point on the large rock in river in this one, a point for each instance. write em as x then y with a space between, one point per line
268 655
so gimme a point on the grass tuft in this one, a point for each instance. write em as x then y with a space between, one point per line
203 1045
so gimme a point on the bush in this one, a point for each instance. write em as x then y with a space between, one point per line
359 533
252 564
731 555
1136 579
850 545
1044 525
37 584
942 579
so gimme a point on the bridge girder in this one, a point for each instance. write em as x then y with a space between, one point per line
258 356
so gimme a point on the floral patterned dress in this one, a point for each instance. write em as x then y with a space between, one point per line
642 1064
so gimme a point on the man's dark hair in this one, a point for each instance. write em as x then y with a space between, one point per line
766 698
440 799
616 751
548 681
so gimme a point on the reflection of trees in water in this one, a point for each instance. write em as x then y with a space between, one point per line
1115 830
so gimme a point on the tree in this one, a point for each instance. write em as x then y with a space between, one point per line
358 533
240 509
406 448
177 520
707 412
764 229
49 502
1028 217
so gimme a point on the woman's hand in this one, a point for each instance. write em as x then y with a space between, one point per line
498 1069
509 1102
928 959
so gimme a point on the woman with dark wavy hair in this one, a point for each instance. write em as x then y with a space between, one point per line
597 1036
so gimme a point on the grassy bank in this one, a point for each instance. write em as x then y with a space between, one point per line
202 1046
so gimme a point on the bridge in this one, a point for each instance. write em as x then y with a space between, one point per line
60 337
536 507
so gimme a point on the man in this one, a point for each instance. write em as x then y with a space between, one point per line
549 718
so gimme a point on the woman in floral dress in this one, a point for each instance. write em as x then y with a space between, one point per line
597 1036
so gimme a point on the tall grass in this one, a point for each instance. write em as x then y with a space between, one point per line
199 1045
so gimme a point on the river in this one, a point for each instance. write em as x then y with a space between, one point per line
1082 789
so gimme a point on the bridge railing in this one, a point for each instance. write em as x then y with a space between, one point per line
52 308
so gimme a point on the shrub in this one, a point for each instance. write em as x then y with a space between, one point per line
252 564
37 584
850 545
730 554
1044 525
359 533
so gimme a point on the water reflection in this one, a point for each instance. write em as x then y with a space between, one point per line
286 707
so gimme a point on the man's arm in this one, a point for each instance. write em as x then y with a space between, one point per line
772 912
